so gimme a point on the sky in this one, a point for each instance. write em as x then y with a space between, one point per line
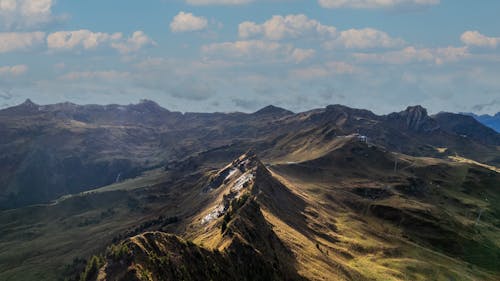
242 55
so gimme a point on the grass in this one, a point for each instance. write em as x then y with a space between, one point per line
147 179
374 248
38 242
470 161
330 230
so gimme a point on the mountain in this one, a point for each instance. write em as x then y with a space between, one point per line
48 151
415 118
128 191
238 240
467 127
274 111
488 120
338 206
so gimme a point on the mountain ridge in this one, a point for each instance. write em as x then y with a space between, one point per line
492 121
75 143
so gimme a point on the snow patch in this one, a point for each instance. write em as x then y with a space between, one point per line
231 173
214 214
242 181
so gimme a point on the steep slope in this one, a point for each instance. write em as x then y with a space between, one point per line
467 127
395 213
309 134
355 211
232 239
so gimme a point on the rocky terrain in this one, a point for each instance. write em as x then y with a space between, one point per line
138 192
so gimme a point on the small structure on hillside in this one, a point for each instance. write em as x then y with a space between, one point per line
361 138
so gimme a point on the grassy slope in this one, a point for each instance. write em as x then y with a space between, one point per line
324 210
38 241
380 248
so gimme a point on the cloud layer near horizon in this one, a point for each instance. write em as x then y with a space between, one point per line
225 55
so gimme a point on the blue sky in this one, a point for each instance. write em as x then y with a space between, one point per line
241 55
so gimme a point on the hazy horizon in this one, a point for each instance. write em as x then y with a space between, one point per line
242 111
218 55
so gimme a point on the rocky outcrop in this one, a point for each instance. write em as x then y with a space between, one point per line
415 118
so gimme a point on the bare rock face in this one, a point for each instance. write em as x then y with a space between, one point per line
415 118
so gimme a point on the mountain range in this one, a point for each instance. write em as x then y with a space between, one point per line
488 120
138 192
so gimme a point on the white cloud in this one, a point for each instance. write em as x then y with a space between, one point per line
137 41
416 55
218 2
258 50
373 4
14 70
290 26
101 75
300 26
474 38
242 48
324 70
88 40
14 41
364 39
184 22
300 55
25 13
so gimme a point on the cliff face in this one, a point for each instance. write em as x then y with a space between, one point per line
415 118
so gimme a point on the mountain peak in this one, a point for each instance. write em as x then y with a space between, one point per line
29 103
273 111
417 119
147 105
416 112
147 101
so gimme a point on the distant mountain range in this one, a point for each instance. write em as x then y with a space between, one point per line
138 192
488 120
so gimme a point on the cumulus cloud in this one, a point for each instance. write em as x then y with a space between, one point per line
184 22
416 55
14 70
373 4
258 50
15 14
88 40
137 41
15 41
218 2
290 26
364 39
475 38
300 26
300 55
